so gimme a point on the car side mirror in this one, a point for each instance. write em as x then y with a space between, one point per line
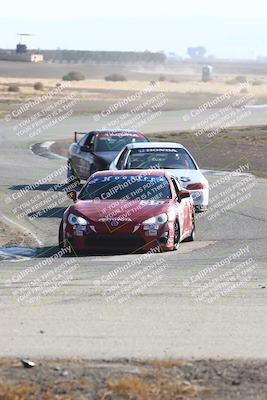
72 195
86 148
184 194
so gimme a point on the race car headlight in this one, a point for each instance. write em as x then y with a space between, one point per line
75 220
160 219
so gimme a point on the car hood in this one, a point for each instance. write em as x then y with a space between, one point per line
187 176
119 210
107 156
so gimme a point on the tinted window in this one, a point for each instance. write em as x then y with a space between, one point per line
160 158
116 142
127 188
85 139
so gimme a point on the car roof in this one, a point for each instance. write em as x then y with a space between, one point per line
130 172
115 131
149 145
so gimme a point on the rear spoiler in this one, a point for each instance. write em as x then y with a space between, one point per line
78 133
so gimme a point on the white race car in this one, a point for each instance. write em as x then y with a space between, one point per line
168 156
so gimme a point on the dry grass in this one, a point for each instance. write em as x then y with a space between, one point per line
95 95
76 385
12 236
217 86
164 363
127 388
17 392
135 380
27 391
142 389
7 361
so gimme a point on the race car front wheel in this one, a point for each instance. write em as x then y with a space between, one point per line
192 236
176 238
61 242
60 236
71 175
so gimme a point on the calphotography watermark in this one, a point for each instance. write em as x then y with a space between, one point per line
133 278
221 279
43 112
143 189
141 110
229 191
213 116
47 276
43 196
31 104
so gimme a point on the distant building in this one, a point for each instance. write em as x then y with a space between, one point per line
206 73
37 58
10 55
21 48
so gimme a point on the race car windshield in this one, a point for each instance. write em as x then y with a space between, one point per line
156 158
116 142
126 188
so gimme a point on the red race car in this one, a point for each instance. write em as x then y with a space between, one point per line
129 210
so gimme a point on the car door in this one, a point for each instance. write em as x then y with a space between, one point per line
86 156
75 155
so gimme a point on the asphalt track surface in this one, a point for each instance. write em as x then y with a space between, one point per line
182 315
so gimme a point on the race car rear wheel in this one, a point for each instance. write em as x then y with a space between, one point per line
176 238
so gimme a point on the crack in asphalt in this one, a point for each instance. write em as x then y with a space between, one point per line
247 215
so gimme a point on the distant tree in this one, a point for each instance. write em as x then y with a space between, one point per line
38 86
13 87
73 76
196 52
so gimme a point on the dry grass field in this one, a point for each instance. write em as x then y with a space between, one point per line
134 380
181 83
219 85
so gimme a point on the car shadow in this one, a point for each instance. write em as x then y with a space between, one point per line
18 252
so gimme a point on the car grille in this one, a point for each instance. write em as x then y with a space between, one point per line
115 240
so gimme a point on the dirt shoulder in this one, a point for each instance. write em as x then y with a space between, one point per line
227 151
12 236
140 380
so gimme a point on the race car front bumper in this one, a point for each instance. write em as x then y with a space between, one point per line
127 237
201 199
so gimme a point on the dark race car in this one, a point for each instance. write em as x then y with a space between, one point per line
97 149
128 211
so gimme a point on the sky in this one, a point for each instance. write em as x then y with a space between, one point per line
228 29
